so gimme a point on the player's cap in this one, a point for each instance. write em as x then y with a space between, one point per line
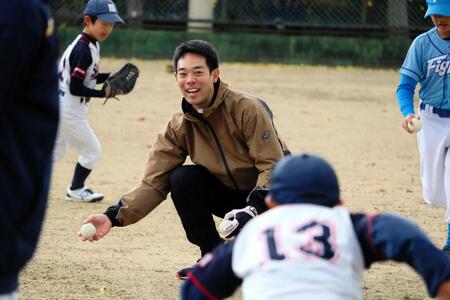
438 7
105 10
304 178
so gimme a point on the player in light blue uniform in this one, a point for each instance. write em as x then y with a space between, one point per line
428 63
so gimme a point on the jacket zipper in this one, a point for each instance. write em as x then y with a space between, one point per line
222 154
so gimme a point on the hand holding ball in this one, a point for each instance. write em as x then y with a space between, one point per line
94 227
88 230
415 125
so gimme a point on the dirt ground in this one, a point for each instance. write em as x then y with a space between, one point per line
348 115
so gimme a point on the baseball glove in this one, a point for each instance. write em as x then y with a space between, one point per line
122 82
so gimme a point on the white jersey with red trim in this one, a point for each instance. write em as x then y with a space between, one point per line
300 251
74 129
70 104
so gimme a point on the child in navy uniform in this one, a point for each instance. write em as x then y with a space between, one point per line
309 246
28 126
79 75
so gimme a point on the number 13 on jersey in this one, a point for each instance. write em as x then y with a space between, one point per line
313 239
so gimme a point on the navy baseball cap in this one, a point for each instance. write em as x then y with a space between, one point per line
438 7
304 178
105 10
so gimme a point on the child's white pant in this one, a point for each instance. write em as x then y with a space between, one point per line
77 133
434 141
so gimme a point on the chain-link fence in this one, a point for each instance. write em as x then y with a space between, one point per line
369 16
137 13
326 14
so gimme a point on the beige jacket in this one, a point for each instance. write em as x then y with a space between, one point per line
234 139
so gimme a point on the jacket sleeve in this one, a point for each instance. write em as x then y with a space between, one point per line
167 153
262 139
387 236
213 277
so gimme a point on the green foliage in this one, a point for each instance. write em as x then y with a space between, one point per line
256 48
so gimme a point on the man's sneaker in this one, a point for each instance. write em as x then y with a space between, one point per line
85 194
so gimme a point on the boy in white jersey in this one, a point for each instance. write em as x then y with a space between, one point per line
79 75
308 246
428 63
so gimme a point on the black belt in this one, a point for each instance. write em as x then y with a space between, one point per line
443 113
61 93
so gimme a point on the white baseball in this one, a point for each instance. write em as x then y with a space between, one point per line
416 125
88 230
226 227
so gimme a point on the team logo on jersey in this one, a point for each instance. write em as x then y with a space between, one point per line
439 64
95 71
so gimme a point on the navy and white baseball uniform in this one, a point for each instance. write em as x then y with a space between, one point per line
305 251
78 77
28 125
80 62
308 246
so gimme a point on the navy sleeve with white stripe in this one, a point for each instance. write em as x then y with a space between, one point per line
213 278
382 237
391 237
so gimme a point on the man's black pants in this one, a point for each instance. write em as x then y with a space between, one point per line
197 195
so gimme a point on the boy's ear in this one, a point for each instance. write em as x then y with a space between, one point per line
270 202
87 20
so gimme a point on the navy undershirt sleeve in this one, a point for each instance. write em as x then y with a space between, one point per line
391 237
101 78
77 88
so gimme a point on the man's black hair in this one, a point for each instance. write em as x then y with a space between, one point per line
199 47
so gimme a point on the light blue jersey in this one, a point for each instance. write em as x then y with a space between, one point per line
428 63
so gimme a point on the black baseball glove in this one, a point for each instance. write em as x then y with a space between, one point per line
122 82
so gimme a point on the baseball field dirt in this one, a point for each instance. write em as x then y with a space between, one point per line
348 115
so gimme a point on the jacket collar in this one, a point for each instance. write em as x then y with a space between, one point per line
220 89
